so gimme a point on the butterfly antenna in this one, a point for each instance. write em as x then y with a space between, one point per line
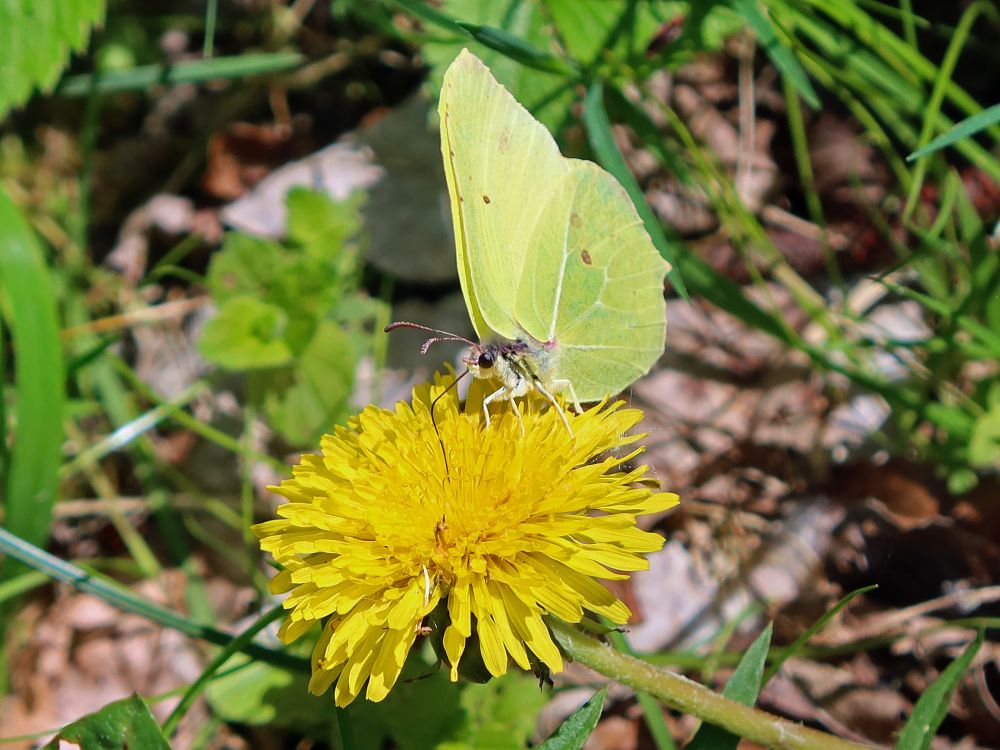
444 335
437 398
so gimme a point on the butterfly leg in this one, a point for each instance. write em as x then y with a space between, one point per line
555 404
492 397
563 384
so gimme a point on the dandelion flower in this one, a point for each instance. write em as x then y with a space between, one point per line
381 529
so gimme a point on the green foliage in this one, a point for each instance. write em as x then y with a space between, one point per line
27 300
572 734
984 445
36 39
933 704
743 686
291 316
255 693
124 723
424 711
964 129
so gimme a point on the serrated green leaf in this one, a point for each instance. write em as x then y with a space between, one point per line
36 39
304 401
572 734
933 704
124 723
246 334
30 479
743 686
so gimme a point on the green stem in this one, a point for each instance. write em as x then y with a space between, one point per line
685 695
124 599
198 686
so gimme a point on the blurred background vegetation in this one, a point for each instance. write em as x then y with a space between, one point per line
209 210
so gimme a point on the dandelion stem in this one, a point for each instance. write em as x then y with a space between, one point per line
685 695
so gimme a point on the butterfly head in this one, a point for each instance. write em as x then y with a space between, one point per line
482 359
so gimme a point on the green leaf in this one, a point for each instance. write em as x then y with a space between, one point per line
781 54
933 704
320 225
123 724
304 401
36 39
30 480
246 334
422 711
595 120
259 694
743 687
244 265
499 715
572 734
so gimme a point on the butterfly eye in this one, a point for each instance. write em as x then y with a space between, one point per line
485 361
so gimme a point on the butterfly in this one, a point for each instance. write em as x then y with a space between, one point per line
563 284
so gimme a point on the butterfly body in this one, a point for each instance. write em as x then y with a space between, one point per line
519 367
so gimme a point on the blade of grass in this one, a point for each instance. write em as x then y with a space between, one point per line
32 477
958 39
128 432
932 706
236 645
799 643
777 50
517 49
967 127
598 127
211 16
888 45
187 71
120 597
431 15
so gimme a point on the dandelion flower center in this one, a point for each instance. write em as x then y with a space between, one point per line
402 512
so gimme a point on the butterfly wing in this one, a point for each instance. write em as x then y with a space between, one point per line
592 283
498 162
